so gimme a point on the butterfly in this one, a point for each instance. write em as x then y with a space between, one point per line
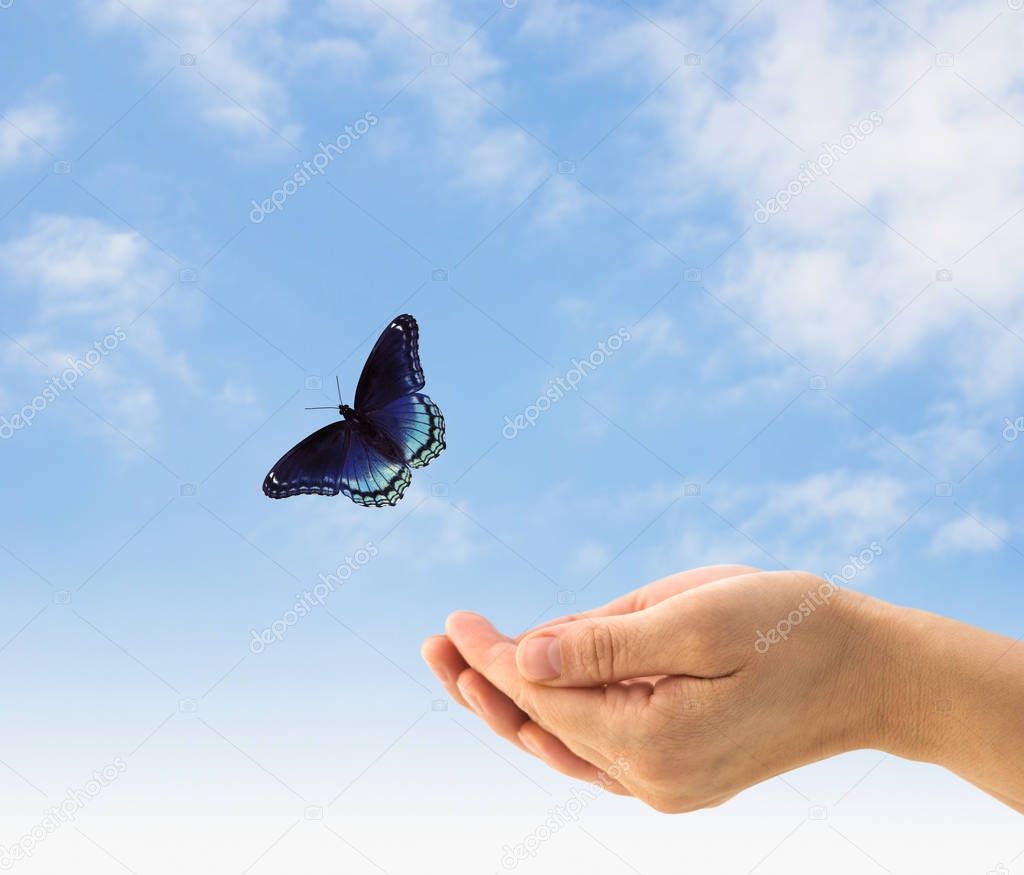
390 428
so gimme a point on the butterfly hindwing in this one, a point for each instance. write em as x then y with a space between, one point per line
393 367
416 424
369 477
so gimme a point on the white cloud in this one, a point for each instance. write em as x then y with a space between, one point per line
657 334
850 269
238 47
89 279
79 266
976 533
28 131
255 55
814 523
864 505
469 104
825 275
952 444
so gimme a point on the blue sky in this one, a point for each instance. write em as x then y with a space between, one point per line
538 179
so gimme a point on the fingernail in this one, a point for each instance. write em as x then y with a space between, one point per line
540 658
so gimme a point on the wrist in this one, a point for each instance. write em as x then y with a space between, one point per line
896 685
949 694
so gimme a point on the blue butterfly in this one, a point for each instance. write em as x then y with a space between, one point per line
391 427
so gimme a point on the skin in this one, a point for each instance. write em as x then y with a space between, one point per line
672 694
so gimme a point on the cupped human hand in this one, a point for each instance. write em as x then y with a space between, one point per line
686 691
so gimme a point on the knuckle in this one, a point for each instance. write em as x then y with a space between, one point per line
596 651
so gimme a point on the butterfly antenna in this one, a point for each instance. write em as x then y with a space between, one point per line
337 382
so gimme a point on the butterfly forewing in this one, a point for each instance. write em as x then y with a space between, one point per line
393 367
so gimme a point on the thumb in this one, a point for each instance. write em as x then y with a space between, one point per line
663 639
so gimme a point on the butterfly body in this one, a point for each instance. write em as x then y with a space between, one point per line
390 428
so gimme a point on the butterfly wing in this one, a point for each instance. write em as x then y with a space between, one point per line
334 459
313 466
371 479
392 368
416 424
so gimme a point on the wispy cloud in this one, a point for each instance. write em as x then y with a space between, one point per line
975 533
232 55
29 132
85 279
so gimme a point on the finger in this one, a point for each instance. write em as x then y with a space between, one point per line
493 655
547 747
650 594
492 706
445 661
505 719
674 637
